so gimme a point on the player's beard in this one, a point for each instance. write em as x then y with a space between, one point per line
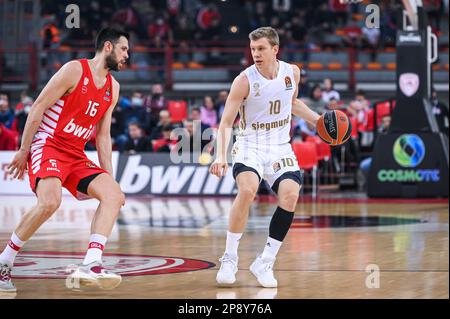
112 62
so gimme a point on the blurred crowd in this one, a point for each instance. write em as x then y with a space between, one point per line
304 24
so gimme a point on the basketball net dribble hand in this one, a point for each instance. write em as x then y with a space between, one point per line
219 168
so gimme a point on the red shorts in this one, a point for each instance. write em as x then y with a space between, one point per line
70 168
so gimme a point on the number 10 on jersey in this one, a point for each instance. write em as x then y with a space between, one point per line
92 108
275 107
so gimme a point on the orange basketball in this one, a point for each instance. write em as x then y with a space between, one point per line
334 127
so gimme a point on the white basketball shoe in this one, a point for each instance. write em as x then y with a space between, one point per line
6 285
262 269
228 270
94 274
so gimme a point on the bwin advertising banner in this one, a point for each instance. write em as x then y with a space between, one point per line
141 174
155 174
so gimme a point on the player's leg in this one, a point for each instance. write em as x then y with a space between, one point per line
288 193
247 184
287 188
247 180
104 188
48 193
284 177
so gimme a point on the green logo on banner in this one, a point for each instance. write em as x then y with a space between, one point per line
409 150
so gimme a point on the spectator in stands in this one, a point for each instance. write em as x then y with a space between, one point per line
296 30
435 9
21 113
304 129
51 39
440 111
371 40
173 10
358 109
281 7
304 87
206 15
159 30
385 123
339 9
353 34
6 114
329 91
134 111
321 21
197 118
8 139
182 34
97 13
185 143
208 113
333 104
258 14
127 18
154 104
195 135
24 99
316 102
137 142
118 134
165 143
213 31
220 104
388 24
164 120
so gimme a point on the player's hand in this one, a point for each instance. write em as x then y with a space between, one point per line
219 168
19 164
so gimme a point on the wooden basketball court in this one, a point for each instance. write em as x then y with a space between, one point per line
169 248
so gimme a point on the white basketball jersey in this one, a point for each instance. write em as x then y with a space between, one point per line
265 115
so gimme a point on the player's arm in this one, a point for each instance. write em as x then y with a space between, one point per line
238 92
299 108
103 133
63 81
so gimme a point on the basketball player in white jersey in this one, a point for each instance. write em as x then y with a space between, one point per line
265 95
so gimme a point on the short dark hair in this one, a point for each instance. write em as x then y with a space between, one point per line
109 34
134 123
361 92
196 108
167 128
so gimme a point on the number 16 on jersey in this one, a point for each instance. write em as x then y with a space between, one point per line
92 108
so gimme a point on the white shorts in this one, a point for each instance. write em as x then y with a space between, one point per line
270 161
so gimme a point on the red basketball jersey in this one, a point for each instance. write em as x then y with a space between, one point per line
70 122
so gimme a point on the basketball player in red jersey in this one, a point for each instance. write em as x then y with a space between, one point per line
79 98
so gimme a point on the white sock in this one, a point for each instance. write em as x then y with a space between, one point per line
12 248
95 250
232 244
271 248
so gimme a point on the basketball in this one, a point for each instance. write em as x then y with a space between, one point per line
334 127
